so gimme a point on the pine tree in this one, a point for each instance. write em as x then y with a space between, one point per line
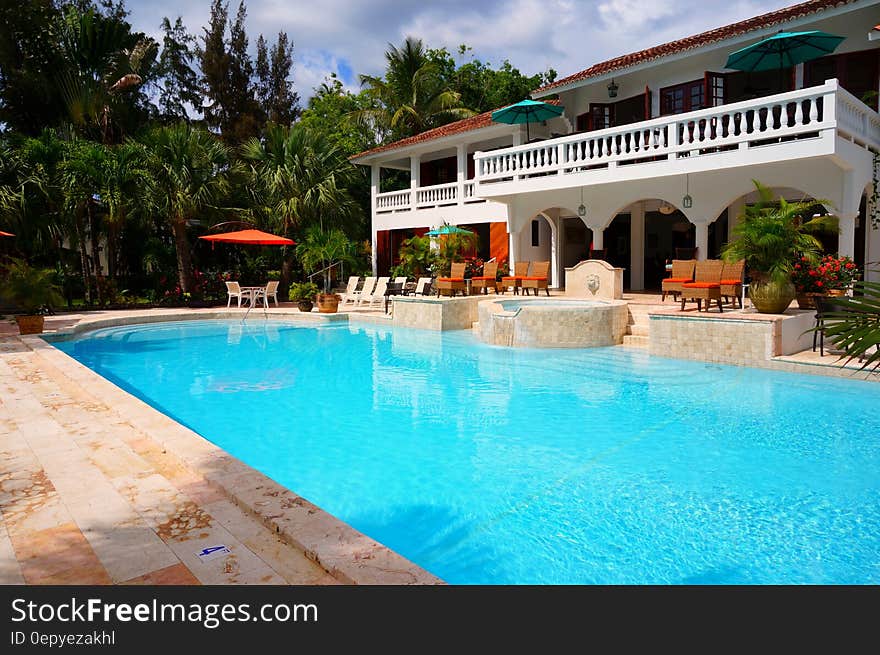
179 84
228 72
277 97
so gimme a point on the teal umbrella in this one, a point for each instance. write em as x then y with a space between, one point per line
527 111
448 229
783 50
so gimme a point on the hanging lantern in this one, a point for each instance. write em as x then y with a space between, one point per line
612 89
687 202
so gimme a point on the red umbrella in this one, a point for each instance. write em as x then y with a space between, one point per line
5 234
252 237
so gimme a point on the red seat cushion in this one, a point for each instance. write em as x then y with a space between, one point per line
539 279
731 281
702 285
483 277
450 279
511 279
678 279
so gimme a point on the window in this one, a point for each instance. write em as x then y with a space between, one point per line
682 98
536 234
601 116
582 123
715 87
856 71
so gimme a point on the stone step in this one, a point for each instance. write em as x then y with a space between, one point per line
636 341
639 329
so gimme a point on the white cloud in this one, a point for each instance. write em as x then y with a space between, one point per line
567 35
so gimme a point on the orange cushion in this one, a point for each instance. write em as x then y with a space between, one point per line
511 279
450 279
483 277
678 279
540 279
702 285
731 281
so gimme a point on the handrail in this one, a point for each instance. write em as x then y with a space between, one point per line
326 268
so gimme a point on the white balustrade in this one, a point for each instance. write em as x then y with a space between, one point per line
393 200
762 121
438 194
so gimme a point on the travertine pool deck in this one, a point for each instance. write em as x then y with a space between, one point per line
96 487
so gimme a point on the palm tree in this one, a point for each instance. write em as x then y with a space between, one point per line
319 250
854 324
413 96
299 179
81 176
190 170
122 190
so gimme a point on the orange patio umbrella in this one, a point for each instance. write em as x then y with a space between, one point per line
250 237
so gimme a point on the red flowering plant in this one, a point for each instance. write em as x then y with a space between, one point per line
473 266
829 272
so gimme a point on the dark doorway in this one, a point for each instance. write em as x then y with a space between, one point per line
663 234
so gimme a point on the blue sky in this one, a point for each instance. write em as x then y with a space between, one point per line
349 37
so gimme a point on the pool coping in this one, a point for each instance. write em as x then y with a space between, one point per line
345 553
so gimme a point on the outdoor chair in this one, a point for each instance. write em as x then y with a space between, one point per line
271 291
455 282
706 285
423 287
377 295
401 280
487 279
732 282
537 279
682 271
349 295
520 270
365 290
233 290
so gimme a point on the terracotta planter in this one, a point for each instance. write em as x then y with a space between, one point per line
305 305
328 303
835 293
805 301
771 297
30 324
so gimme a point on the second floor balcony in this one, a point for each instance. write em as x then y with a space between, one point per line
426 197
803 123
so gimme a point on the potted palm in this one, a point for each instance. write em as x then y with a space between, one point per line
303 294
320 252
30 289
771 237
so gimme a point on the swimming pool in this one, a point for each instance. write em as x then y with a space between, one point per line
495 465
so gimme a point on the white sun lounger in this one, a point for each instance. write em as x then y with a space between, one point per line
378 294
350 294
366 290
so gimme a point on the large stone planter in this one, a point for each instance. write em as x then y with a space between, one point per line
770 297
328 303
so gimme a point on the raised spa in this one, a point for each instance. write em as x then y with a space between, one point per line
553 323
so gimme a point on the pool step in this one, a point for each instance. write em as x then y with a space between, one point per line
638 329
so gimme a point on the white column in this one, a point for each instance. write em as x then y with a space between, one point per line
637 247
555 250
513 255
375 181
559 275
598 237
415 173
461 162
846 244
702 241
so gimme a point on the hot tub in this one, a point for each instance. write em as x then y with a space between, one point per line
549 323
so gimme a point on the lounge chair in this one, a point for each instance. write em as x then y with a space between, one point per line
486 280
706 285
455 282
682 271
378 294
520 270
401 280
423 287
537 279
732 282
233 290
350 294
366 289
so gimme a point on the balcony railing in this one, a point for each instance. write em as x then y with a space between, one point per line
437 195
804 113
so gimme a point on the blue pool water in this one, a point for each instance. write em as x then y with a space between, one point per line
495 465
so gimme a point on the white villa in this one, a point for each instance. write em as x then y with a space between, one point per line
655 151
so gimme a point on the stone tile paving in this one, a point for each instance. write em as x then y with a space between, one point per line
87 498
